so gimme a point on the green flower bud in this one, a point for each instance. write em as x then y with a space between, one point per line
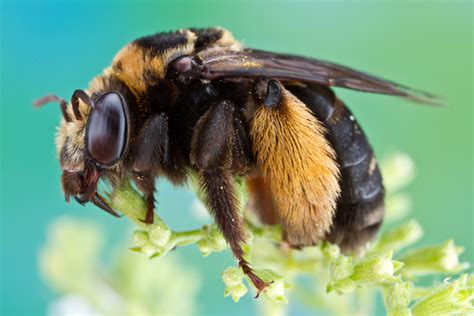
236 291
449 299
160 234
398 171
400 237
140 238
213 242
342 268
277 287
341 272
331 252
276 291
397 298
376 269
217 241
232 276
150 250
435 259
204 246
397 206
341 286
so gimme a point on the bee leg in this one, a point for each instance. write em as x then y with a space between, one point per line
221 202
152 155
152 149
146 184
212 155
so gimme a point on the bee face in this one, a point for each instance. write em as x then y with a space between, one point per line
91 142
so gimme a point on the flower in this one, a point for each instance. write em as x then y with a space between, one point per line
450 298
442 258
375 269
233 278
400 237
398 297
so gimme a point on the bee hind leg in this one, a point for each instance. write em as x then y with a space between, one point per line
212 154
221 202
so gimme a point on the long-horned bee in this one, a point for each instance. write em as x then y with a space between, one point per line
197 101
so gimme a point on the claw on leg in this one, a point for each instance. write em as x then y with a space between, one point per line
259 284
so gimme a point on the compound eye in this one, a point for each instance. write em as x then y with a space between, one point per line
106 131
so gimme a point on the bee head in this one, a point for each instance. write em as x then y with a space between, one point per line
91 139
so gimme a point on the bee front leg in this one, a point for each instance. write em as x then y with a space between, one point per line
212 148
151 155
146 184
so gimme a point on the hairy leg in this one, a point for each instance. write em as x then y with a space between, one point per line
151 155
213 145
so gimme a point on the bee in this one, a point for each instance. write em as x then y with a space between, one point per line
197 101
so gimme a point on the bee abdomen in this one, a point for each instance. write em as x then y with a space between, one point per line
359 211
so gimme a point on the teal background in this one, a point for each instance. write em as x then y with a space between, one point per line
59 46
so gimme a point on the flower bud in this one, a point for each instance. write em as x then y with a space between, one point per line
277 287
435 259
456 298
204 246
398 171
213 242
397 206
341 271
149 250
236 291
217 241
400 237
377 269
160 234
232 278
397 298
342 268
140 238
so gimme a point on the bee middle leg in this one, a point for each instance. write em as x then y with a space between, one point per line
214 143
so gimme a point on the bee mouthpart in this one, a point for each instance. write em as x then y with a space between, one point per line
89 193
98 201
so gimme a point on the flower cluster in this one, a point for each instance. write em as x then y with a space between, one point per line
337 283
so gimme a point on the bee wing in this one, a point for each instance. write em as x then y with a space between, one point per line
256 63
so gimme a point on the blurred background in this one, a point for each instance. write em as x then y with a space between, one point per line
56 47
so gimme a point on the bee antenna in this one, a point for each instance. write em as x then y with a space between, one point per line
54 98
79 94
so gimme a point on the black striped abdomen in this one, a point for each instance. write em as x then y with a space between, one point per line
360 209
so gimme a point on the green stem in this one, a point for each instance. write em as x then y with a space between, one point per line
187 237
